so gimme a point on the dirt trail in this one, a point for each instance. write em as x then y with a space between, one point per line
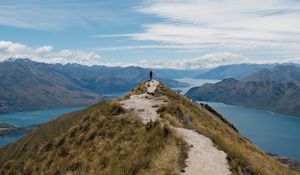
144 105
203 157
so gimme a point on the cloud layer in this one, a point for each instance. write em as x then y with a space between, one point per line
226 24
46 54
204 62
219 31
263 31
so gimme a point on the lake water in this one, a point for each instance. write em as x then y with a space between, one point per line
274 133
193 82
23 119
28 118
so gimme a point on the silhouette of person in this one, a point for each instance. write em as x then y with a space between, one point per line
151 75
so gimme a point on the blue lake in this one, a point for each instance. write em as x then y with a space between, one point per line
30 118
23 119
4 140
193 82
273 133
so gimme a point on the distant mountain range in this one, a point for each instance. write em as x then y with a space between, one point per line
236 71
280 73
28 85
174 74
276 89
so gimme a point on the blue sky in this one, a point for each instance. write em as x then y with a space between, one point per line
181 34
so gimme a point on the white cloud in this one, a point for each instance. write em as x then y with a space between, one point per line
44 49
243 24
213 60
154 46
46 54
70 56
203 62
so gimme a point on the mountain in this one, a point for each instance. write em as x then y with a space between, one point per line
162 133
175 74
275 96
236 71
28 85
280 73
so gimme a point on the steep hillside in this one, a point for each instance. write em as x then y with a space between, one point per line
27 85
120 137
279 97
236 71
42 134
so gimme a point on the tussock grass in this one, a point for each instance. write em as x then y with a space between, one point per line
108 140
242 155
140 89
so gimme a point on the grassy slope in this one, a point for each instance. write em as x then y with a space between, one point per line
108 140
243 156
40 136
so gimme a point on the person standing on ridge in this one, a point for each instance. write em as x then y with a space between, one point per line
151 74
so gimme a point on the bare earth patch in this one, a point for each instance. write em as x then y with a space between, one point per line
143 106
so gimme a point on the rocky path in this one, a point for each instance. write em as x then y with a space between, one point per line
203 157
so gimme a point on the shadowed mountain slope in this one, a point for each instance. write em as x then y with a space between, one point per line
280 73
275 90
236 71
28 85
